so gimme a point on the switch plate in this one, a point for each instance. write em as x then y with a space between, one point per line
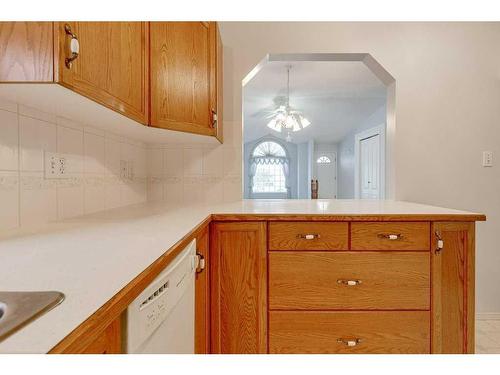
56 165
487 158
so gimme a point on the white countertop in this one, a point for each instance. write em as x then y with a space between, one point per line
92 257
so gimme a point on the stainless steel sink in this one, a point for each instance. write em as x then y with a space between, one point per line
20 308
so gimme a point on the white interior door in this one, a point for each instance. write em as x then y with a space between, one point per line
369 158
326 174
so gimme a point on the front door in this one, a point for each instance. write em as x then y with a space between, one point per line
326 174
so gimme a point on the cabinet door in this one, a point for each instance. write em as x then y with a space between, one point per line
453 288
107 342
112 65
238 287
183 76
26 52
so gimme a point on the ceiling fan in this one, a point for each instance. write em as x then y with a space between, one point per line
283 117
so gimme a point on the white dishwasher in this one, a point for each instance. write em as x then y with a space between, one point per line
161 319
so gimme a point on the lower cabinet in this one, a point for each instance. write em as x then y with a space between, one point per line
107 342
380 287
238 273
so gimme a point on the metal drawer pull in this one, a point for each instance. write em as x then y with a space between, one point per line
391 237
74 46
349 282
308 236
349 342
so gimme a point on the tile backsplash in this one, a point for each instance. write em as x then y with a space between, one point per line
174 173
93 181
194 173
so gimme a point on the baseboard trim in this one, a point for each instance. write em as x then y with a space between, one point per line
488 316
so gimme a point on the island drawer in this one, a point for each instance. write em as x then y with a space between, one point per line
389 332
290 235
349 280
413 236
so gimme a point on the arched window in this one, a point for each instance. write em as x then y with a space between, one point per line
268 169
323 160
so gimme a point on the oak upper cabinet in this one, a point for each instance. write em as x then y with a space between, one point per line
26 52
238 287
186 79
453 288
111 66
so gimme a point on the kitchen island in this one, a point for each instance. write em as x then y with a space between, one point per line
410 265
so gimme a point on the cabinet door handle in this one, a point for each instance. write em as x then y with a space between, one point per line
310 236
200 263
349 282
214 118
74 46
390 236
349 342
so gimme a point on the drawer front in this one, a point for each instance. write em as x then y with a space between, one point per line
349 281
413 236
289 235
349 332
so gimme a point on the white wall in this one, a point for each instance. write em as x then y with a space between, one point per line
303 174
447 108
345 160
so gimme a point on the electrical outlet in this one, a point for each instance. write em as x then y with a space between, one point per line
487 159
56 165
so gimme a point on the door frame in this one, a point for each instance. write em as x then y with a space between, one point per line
336 169
377 130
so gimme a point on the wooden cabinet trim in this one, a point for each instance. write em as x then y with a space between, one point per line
106 342
348 218
202 296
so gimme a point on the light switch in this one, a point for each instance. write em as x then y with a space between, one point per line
487 158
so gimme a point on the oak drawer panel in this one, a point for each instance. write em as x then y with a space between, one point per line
289 235
414 236
319 332
317 280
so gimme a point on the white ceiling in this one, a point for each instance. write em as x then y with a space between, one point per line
335 96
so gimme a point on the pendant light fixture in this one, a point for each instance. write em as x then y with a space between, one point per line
285 118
